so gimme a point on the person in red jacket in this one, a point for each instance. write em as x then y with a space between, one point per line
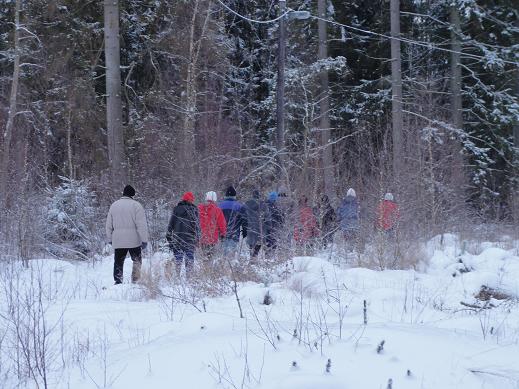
388 214
306 229
212 225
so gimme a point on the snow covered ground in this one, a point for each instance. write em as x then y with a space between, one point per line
79 331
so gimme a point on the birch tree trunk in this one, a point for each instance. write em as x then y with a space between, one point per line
456 102
8 133
187 143
396 87
327 151
113 94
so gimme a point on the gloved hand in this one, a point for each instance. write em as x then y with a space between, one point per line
144 245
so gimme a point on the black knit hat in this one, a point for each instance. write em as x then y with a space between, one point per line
128 191
230 192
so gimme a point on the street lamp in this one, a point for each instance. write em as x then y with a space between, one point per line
280 88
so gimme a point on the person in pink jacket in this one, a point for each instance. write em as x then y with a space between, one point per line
212 225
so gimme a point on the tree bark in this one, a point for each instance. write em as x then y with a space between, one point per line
327 150
456 102
187 143
396 87
69 142
516 123
8 133
113 94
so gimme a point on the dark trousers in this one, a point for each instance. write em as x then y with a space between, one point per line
254 250
184 252
120 256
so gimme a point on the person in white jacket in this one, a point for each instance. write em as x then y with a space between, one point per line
127 231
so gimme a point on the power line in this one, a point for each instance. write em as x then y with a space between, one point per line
410 41
254 20
368 32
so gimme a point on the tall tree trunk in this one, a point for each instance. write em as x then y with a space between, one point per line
187 143
113 94
69 142
327 151
456 102
396 86
8 133
516 123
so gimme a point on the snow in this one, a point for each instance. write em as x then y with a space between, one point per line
123 337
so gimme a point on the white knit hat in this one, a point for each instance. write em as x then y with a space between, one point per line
388 196
351 192
210 196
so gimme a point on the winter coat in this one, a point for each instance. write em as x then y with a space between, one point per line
257 221
184 226
306 225
327 218
388 215
348 214
126 225
235 216
276 221
212 223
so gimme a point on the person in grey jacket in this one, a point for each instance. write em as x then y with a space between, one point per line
127 231
258 217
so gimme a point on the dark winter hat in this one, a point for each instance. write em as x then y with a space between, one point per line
230 192
189 197
129 191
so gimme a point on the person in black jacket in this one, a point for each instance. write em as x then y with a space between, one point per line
277 220
327 220
184 232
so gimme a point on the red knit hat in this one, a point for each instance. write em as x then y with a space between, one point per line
189 197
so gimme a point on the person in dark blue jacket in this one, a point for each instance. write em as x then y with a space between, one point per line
277 220
236 219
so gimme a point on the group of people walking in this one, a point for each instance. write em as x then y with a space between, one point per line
266 223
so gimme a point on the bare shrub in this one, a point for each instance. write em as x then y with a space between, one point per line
34 338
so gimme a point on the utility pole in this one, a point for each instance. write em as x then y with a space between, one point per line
396 87
456 103
280 88
327 156
114 115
